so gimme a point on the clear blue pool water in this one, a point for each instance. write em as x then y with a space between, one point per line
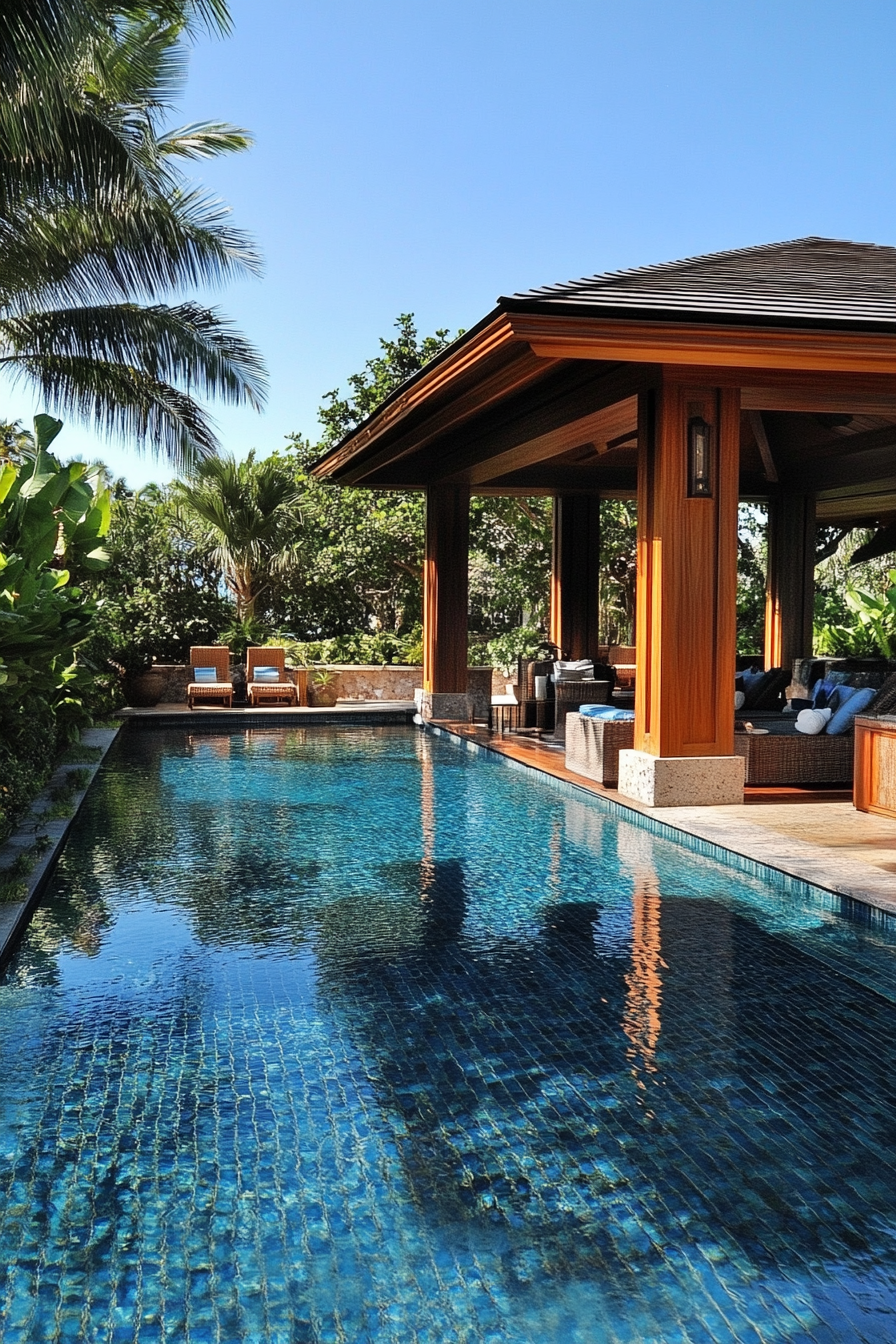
354 1036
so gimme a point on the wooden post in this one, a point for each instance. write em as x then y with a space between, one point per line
790 585
687 574
575 575
445 589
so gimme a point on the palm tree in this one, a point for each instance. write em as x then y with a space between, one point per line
251 511
98 225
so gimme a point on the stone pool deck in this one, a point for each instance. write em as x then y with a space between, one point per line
245 716
42 833
815 835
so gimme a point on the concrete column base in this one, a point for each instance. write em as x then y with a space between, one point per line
457 707
681 781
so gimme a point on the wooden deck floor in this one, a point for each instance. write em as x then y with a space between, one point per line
814 834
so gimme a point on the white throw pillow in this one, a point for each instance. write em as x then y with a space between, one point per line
581 670
812 721
739 699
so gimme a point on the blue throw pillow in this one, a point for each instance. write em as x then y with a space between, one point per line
821 692
607 712
266 674
205 674
840 695
750 677
842 720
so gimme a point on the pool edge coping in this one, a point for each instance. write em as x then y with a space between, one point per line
860 901
15 916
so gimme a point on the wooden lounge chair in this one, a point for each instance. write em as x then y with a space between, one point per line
269 692
218 657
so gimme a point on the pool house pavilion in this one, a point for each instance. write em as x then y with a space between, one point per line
762 374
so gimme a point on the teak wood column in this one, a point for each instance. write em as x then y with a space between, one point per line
575 575
445 589
687 574
790 587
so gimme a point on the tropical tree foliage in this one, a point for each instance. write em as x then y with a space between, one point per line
400 357
52 521
161 591
99 226
250 513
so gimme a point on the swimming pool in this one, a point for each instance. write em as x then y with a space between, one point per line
351 1035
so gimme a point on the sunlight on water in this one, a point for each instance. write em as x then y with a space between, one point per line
350 1035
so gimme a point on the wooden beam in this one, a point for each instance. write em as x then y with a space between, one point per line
542 411
822 400
851 469
566 478
592 429
687 576
445 589
765 452
556 337
844 444
876 500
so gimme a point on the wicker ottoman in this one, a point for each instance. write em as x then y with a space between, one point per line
593 746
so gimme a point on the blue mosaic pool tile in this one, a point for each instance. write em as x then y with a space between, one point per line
357 1037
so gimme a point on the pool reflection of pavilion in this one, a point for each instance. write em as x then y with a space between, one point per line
764 374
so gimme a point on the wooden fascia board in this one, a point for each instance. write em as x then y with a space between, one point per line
495 337
725 346
485 394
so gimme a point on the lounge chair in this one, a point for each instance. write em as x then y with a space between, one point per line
204 660
267 681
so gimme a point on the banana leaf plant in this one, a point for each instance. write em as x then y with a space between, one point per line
52 521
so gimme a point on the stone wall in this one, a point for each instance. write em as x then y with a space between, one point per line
347 682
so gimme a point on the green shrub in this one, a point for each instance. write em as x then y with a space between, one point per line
28 746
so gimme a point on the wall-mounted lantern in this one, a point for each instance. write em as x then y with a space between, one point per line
699 458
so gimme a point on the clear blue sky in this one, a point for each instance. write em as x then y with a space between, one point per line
427 157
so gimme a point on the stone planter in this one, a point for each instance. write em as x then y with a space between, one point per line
143 690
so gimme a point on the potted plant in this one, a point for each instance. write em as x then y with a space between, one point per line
322 686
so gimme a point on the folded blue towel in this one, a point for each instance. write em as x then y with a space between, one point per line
608 712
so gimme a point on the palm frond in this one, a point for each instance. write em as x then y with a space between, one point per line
184 344
125 402
204 140
119 250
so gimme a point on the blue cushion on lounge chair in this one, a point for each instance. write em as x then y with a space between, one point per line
610 713
842 720
205 674
266 674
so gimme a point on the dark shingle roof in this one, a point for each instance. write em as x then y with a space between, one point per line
814 280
